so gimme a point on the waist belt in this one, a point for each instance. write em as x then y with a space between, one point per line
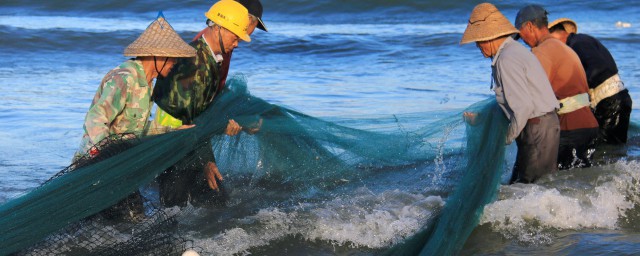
573 103
536 120
606 89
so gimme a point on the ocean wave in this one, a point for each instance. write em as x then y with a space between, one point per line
594 198
287 6
111 35
88 24
363 220
294 6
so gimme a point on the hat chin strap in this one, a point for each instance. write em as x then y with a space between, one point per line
155 64
220 40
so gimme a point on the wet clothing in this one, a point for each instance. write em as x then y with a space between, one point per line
186 182
187 91
613 112
537 149
525 96
568 79
122 104
574 151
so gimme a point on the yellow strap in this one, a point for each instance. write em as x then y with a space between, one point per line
573 103
164 119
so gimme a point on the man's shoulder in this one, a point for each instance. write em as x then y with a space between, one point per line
552 48
127 68
201 47
582 40
123 75
550 43
514 47
583 37
513 52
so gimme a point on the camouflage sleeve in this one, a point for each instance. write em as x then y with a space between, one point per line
105 108
191 85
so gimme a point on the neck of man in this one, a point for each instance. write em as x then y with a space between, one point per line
148 65
561 35
540 34
495 45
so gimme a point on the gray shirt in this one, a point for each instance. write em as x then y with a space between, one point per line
522 88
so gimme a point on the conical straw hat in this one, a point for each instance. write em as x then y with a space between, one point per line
159 39
569 25
486 23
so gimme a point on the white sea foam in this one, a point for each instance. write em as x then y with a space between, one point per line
364 220
530 213
266 226
373 221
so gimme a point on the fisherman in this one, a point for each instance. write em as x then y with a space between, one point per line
610 100
255 14
522 91
187 91
122 104
579 127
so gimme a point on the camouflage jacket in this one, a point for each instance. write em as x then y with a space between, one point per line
122 104
190 86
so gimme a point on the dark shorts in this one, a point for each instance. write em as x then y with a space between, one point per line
613 115
537 149
577 148
185 182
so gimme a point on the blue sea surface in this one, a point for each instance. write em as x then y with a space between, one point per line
329 59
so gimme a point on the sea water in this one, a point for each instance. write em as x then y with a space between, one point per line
329 59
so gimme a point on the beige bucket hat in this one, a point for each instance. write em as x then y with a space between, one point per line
160 39
486 23
569 25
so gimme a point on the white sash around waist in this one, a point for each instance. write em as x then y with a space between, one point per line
573 103
606 89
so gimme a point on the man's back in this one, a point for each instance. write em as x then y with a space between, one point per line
567 78
595 58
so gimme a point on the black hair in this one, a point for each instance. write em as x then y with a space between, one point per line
557 27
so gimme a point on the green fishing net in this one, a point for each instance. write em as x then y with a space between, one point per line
304 154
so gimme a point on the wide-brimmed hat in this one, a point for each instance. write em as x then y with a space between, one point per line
485 23
160 39
569 25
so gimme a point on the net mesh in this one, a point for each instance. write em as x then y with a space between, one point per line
70 213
